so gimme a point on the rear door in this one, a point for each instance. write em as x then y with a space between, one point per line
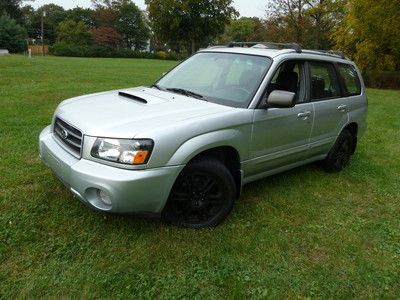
355 93
330 105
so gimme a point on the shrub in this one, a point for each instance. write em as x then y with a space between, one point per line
176 56
97 51
382 79
161 55
12 35
67 49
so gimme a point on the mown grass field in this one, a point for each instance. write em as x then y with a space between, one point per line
300 234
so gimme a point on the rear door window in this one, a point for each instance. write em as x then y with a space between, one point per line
324 81
352 84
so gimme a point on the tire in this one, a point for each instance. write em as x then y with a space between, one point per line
339 156
203 195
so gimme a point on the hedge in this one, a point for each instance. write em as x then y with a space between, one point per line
65 49
382 79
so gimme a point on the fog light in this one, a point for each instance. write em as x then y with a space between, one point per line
104 197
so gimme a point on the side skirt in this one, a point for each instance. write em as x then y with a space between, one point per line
282 169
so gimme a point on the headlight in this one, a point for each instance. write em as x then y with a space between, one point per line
130 152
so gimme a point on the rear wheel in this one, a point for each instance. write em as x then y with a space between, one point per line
202 196
339 156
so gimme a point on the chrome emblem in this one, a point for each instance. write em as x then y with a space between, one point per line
64 134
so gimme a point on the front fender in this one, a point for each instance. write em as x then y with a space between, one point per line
196 145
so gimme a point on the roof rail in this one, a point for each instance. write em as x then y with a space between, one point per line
214 47
269 45
331 53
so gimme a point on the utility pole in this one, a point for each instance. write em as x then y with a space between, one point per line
42 34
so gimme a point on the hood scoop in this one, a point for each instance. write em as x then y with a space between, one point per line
132 97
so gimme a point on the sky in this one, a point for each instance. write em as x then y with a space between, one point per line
246 8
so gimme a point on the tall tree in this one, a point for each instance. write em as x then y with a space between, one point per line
104 17
240 30
370 34
291 15
12 35
105 14
310 23
12 8
73 32
193 23
54 15
28 13
131 25
106 36
81 14
259 30
325 16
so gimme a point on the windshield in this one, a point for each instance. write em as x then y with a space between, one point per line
224 78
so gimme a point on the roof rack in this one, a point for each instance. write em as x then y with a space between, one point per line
331 52
294 46
268 45
213 47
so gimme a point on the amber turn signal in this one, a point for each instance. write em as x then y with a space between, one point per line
140 157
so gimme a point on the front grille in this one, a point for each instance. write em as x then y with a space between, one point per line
69 136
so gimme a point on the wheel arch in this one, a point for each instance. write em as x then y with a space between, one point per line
353 128
228 156
227 146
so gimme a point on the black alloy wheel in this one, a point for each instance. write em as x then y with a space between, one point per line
339 156
202 196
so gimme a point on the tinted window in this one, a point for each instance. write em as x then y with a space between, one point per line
352 84
324 82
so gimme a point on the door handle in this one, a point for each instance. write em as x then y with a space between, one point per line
304 115
342 108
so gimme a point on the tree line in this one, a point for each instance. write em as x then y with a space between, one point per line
111 24
366 30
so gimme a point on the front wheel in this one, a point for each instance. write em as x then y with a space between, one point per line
339 156
202 196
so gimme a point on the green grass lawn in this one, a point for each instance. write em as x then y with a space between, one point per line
300 234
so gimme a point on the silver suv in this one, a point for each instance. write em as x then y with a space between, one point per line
184 147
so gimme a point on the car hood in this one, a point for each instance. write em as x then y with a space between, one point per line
109 114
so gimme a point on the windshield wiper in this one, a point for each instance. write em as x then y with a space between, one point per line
157 87
185 92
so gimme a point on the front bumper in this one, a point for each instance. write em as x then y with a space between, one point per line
131 191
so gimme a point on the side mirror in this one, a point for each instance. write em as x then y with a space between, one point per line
281 99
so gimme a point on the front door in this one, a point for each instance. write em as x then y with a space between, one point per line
281 135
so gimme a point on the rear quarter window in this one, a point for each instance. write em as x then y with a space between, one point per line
351 81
